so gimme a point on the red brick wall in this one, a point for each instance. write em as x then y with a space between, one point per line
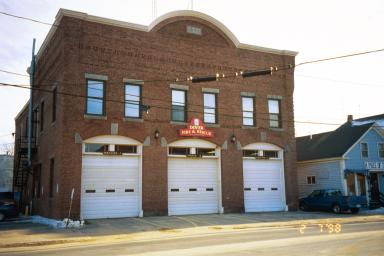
166 52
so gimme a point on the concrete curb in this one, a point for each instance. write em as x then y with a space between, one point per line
174 233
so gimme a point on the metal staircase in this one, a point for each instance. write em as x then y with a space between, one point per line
22 168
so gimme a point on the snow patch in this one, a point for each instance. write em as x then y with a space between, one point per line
379 122
65 223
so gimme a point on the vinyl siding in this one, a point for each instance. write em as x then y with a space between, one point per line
327 175
354 159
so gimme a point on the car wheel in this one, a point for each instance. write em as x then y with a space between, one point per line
303 207
336 208
1 216
355 210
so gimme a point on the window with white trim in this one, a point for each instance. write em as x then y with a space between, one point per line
132 100
95 98
364 149
274 113
381 150
210 108
248 110
179 110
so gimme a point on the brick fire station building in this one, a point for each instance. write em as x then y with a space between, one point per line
152 120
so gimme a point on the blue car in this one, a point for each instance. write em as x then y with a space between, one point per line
331 200
8 209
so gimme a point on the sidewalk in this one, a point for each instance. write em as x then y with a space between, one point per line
15 236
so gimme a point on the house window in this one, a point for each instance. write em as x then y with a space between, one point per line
42 116
132 100
179 109
274 113
248 111
51 176
381 150
364 149
54 96
311 180
95 98
210 108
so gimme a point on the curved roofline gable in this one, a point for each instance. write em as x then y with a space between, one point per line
187 13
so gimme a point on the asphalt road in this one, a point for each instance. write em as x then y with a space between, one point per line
346 239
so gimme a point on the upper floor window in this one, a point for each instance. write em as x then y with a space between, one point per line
179 110
42 116
54 97
364 149
248 111
381 150
132 100
95 97
210 108
274 113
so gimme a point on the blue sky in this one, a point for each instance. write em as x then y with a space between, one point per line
324 92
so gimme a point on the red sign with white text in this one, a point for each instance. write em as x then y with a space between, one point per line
196 129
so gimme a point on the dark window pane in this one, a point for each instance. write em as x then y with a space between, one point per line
205 152
250 153
179 151
178 113
99 148
271 154
128 149
364 149
42 116
381 150
54 96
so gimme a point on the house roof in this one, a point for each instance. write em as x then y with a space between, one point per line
330 144
371 118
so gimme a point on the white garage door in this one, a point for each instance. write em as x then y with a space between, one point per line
192 186
263 185
110 186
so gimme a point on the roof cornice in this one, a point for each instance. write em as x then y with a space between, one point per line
186 13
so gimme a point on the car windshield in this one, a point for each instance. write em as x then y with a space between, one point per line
315 193
334 193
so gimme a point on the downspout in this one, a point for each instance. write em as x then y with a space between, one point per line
31 79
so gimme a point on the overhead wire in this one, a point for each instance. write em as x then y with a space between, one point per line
176 80
163 107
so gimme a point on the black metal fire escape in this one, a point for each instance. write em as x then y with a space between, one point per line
22 168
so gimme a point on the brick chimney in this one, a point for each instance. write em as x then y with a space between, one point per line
350 118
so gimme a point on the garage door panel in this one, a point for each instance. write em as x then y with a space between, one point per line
196 183
101 175
263 185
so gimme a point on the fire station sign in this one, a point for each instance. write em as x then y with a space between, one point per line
196 129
